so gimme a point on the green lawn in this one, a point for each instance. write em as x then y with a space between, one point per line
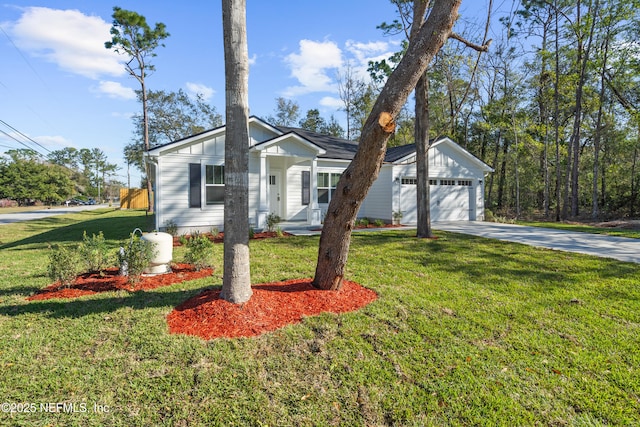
466 331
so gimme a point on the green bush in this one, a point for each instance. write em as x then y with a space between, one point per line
379 223
94 252
64 264
136 255
171 227
363 222
199 251
272 221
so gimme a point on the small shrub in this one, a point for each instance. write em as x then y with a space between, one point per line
272 221
199 251
252 233
279 232
488 216
64 265
94 252
183 240
363 222
137 256
397 217
171 227
379 223
215 232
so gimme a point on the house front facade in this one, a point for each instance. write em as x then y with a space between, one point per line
293 174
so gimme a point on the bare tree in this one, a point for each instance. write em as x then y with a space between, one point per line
357 179
236 283
350 89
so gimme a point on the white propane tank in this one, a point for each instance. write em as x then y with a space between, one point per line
162 244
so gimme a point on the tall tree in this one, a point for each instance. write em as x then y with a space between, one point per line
421 133
286 112
357 179
314 122
236 284
175 115
132 36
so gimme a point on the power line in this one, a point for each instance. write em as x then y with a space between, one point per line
24 136
19 142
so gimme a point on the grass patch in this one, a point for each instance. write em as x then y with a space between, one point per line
466 331
582 228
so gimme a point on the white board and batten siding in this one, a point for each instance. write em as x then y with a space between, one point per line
455 190
378 203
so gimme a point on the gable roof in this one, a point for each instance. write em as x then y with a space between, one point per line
335 148
327 146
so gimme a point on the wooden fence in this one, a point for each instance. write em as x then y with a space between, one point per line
134 198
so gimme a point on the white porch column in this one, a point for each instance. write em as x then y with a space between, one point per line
263 207
314 215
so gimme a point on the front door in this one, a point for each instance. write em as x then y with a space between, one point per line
275 192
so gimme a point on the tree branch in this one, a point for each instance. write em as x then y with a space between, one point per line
477 47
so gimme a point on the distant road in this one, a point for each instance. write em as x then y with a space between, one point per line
9 218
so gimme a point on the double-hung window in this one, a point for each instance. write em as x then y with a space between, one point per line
214 184
327 182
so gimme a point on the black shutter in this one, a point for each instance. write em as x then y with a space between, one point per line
306 187
195 181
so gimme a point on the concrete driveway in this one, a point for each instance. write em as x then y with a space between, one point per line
620 248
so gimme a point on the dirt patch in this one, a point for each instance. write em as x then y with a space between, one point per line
110 280
272 306
624 224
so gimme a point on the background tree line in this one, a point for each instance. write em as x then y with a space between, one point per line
27 177
552 106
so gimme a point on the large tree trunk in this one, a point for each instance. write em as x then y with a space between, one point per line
421 135
363 170
423 199
236 283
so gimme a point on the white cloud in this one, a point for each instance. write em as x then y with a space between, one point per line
195 89
311 66
115 90
363 53
331 102
53 142
68 38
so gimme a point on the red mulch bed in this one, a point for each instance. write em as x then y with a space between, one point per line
272 306
219 238
110 280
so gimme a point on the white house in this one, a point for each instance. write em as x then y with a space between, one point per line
293 173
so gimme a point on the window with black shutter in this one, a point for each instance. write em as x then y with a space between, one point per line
306 187
195 181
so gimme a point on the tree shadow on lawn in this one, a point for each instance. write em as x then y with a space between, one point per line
496 263
89 305
116 228
493 263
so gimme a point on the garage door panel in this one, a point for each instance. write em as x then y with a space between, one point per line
448 203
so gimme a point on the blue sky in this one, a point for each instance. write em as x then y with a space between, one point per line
60 87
